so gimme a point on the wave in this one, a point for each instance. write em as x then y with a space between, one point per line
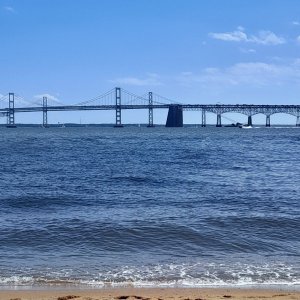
206 236
169 275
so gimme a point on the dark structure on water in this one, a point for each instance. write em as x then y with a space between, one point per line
175 116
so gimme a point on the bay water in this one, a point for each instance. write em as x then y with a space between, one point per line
149 206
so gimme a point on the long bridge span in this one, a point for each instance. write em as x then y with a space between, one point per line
118 100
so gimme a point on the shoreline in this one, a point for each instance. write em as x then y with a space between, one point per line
87 287
155 293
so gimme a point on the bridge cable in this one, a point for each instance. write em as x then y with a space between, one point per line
84 102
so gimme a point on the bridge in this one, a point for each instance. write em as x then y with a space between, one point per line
119 99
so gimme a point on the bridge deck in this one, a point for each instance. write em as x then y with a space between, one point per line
216 108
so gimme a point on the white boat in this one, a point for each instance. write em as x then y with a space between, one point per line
245 126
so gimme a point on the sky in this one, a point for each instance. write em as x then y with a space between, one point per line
192 51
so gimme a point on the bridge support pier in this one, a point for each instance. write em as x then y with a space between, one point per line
11 111
268 121
249 120
45 116
298 120
203 124
175 116
219 120
118 108
150 97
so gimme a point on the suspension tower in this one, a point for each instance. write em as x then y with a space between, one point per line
45 116
118 108
11 111
150 97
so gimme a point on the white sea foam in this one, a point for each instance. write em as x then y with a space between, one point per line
167 275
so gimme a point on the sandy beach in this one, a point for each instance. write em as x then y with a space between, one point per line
149 294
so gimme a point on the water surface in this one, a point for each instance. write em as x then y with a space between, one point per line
149 206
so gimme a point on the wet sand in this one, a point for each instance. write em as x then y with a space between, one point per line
150 294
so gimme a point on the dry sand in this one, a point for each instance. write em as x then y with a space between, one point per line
150 294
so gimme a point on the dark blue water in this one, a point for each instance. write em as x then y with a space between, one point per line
150 206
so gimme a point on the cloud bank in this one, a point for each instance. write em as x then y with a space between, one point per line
264 37
256 74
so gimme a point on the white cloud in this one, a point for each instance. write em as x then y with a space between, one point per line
152 79
243 50
296 23
264 37
9 9
49 97
234 36
255 74
298 39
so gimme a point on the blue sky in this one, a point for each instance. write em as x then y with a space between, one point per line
189 50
